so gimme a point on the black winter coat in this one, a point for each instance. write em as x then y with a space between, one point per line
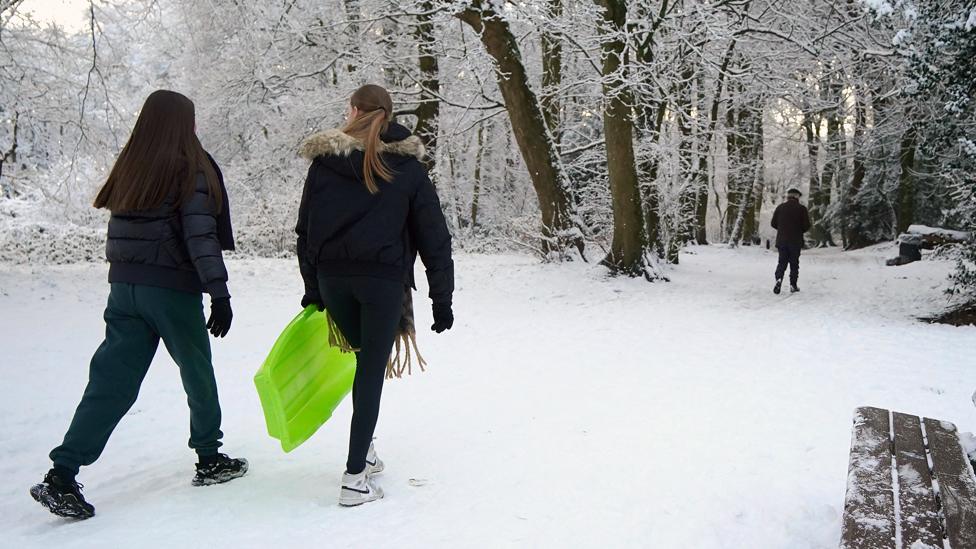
173 246
343 230
791 219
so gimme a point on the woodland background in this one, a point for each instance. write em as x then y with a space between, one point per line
619 131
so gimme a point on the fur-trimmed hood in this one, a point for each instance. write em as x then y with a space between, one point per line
397 140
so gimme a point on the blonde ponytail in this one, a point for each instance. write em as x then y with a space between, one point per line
373 164
375 107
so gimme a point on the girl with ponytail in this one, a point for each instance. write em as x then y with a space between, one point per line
367 210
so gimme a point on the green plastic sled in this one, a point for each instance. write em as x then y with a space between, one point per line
303 379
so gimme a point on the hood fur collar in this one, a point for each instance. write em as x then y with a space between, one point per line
337 143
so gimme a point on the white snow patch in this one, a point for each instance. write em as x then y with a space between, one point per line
968 443
903 36
881 7
919 544
968 145
565 408
908 475
925 230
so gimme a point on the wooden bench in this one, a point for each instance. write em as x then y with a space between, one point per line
909 485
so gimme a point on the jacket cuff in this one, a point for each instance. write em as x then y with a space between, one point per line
311 289
217 289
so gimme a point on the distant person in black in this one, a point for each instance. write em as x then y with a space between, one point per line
791 219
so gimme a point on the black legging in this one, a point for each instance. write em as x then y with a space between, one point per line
367 311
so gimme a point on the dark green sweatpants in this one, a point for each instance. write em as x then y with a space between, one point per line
135 319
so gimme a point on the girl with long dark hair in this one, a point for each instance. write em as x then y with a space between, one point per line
367 209
170 221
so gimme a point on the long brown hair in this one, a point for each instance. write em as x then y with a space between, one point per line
375 111
163 156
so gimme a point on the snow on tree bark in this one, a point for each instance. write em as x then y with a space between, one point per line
528 124
628 248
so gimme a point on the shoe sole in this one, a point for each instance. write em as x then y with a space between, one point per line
357 503
42 496
222 479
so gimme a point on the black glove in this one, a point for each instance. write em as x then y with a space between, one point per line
443 317
220 316
313 300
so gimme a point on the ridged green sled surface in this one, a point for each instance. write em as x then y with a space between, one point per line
303 379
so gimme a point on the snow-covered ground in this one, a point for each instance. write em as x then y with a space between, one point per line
565 409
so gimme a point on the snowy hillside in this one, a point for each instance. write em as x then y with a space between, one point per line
565 409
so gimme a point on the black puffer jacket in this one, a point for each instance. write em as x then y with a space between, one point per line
343 230
173 246
791 219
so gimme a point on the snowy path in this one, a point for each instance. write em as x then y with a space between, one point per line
565 409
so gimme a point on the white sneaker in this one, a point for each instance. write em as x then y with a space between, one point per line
374 465
358 489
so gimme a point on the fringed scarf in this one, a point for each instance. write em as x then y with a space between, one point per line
404 348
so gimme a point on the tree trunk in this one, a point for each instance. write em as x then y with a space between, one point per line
748 197
392 75
813 152
854 236
752 229
479 160
885 119
703 149
705 145
750 225
649 113
749 173
683 228
821 232
528 124
552 70
701 195
649 195
906 179
353 15
627 250
429 109
457 219
10 155
740 141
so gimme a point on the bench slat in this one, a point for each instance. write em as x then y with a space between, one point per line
919 508
869 505
957 486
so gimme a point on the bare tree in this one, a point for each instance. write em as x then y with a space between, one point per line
528 124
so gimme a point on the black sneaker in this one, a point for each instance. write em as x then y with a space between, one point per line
62 497
794 288
221 470
778 286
